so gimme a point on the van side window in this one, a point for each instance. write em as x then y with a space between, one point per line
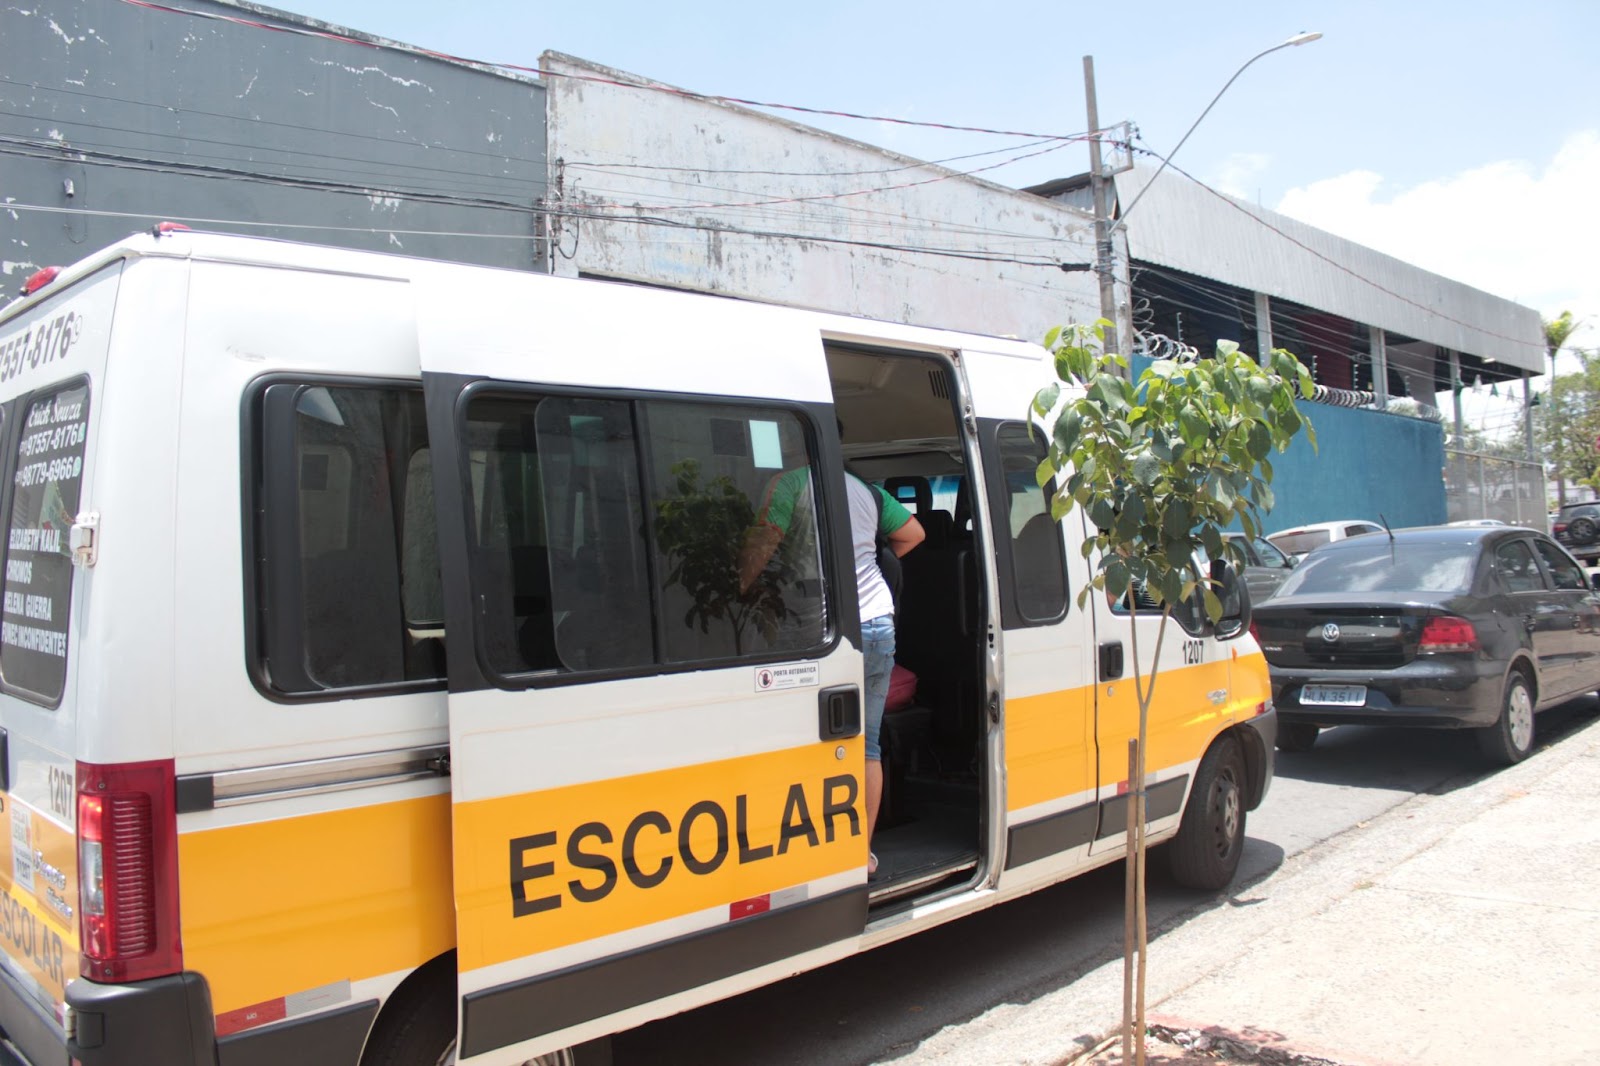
44 504
348 593
607 534
1038 578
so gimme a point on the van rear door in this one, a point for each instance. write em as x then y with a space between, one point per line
52 363
657 766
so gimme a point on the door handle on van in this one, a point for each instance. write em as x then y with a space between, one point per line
838 712
1110 660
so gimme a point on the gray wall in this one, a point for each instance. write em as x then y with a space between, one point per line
671 189
118 113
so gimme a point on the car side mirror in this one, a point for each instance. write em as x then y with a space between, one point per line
1594 581
1235 597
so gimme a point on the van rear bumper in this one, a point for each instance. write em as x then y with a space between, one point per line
164 1019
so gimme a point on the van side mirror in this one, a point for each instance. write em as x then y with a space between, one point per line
1594 580
1235 597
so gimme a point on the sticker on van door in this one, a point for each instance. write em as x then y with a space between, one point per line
788 675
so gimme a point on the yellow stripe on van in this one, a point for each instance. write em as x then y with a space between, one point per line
1192 704
278 907
39 927
1048 741
545 869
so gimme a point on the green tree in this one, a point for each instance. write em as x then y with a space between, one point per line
1162 467
1561 447
1567 425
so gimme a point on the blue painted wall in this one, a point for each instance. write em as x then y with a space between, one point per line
1367 464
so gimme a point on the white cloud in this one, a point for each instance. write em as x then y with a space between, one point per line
1526 231
1236 177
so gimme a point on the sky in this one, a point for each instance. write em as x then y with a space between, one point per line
1459 135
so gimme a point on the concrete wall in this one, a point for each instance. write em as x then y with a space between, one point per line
665 188
111 114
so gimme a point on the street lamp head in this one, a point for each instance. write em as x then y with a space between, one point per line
1305 37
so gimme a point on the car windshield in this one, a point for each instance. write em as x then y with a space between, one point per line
1372 564
1302 542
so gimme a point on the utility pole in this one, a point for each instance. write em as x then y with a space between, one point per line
1104 264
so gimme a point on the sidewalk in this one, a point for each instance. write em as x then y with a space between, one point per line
1454 930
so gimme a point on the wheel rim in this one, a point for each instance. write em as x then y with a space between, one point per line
554 1058
1519 717
1225 813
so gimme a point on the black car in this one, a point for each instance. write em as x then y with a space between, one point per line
1577 527
1451 627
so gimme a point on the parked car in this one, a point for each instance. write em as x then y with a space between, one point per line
1265 567
1577 527
1451 627
1296 542
1477 522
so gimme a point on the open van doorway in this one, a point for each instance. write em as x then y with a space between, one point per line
899 413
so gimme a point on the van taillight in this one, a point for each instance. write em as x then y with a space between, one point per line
39 279
127 871
1447 633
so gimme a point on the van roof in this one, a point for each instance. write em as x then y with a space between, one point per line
269 251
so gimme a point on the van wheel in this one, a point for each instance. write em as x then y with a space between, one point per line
1297 736
1205 853
418 1026
1510 739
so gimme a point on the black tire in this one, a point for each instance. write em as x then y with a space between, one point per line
1510 739
418 1026
1297 736
1583 530
1205 853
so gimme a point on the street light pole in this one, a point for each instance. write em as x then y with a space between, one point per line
1297 39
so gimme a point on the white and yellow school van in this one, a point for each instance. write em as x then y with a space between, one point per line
376 686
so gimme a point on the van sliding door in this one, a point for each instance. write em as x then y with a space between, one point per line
657 766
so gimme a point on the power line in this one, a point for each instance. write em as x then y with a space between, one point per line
328 35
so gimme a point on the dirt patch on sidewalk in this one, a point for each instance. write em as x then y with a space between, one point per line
1183 1045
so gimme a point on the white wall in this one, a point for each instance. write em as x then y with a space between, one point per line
614 147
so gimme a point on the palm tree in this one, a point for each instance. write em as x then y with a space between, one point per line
1556 332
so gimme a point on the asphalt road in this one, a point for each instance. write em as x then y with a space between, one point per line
878 1006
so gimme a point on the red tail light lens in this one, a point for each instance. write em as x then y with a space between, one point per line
1447 633
128 871
39 279
1255 632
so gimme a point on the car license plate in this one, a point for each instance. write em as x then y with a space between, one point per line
1334 695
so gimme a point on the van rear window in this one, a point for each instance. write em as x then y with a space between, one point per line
46 488
348 593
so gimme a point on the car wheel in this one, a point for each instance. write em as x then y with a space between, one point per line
1205 853
1582 530
1297 736
1510 739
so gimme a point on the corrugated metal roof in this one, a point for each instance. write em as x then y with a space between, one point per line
1186 226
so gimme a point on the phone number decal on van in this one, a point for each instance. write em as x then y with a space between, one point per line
41 345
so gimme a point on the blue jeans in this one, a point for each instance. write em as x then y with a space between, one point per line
877 638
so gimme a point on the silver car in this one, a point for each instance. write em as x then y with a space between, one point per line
1265 567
